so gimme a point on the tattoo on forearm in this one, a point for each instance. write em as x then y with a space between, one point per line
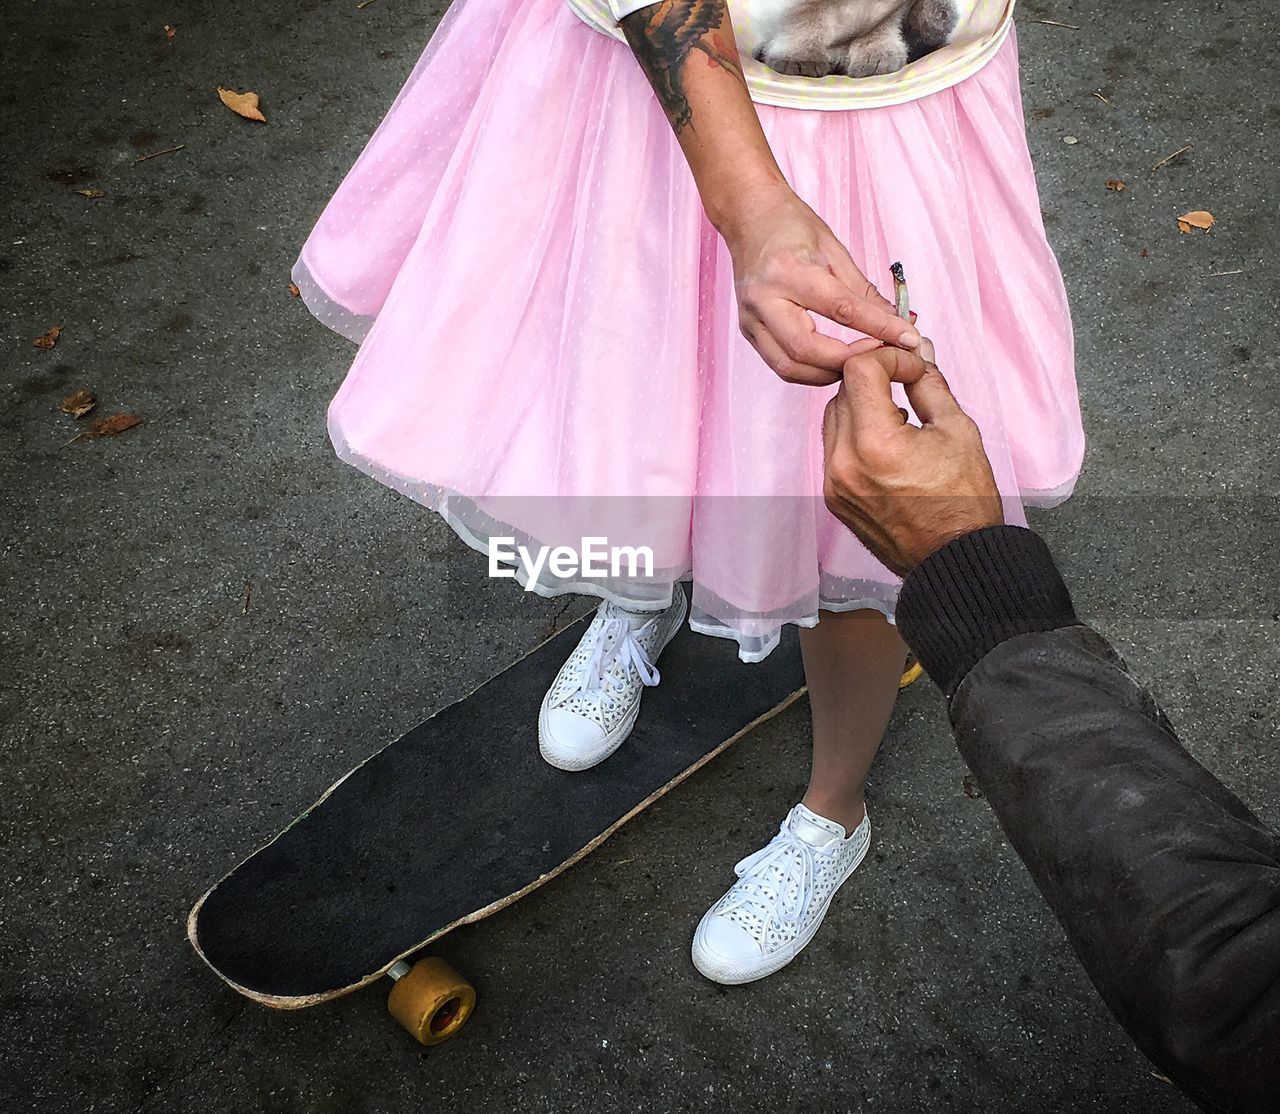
665 35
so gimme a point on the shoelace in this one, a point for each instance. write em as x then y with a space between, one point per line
616 644
796 861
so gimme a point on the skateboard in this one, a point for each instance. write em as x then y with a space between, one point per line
456 820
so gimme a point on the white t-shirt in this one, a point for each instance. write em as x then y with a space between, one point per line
979 33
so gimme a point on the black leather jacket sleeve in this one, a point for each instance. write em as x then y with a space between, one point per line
1167 886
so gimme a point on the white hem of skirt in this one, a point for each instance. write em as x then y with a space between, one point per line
476 528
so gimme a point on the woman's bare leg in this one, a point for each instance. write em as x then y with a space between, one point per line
852 662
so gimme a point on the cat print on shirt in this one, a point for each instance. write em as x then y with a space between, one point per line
853 38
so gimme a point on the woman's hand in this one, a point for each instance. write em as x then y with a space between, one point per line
786 261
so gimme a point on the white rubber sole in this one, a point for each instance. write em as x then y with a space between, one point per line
730 972
575 760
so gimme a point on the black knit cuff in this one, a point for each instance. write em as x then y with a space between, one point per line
961 602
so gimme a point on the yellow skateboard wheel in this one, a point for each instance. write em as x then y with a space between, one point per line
430 999
911 674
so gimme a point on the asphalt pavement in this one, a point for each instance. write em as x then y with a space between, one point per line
207 619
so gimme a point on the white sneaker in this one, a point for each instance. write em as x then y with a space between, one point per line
780 898
592 705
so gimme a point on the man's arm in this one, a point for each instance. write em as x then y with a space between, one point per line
1166 885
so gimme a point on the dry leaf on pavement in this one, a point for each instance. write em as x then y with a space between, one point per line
242 104
109 427
49 339
1199 218
1117 184
293 289
92 193
78 404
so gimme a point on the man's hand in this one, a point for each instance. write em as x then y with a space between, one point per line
906 491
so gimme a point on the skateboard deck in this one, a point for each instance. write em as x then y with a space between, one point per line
461 817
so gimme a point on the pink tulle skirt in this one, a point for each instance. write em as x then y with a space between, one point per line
549 347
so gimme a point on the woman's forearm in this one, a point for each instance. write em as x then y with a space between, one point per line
787 264
687 49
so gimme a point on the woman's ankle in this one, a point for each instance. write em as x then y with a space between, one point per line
848 812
